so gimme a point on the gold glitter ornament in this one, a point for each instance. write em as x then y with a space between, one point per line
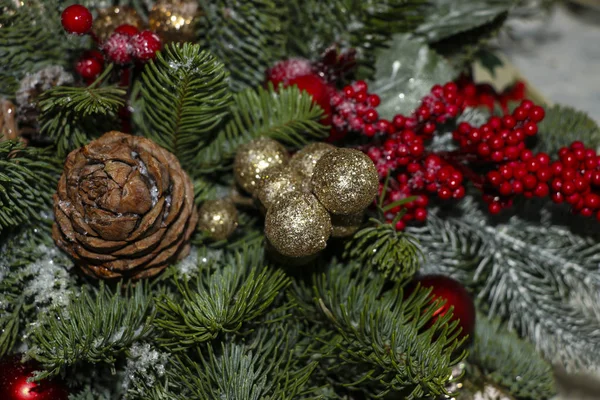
253 159
218 218
110 18
173 20
346 225
304 161
278 181
345 181
297 225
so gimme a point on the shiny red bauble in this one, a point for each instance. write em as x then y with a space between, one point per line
455 295
319 90
286 70
77 19
14 385
144 45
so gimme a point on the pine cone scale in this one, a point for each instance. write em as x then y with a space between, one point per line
124 207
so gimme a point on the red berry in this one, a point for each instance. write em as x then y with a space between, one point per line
360 86
520 114
592 201
145 45
541 190
529 181
370 130
429 128
374 100
444 193
452 110
399 121
361 97
89 66
117 48
517 187
494 208
371 115
400 225
420 214
509 121
127 29
537 113
77 19
505 189
557 197
349 92
531 129
459 193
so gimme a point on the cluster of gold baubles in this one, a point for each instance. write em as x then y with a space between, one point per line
172 20
320 192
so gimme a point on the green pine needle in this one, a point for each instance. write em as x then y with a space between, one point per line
289 116
184 99
563 125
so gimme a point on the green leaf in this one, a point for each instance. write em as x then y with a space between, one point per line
446 18
405 72
184 99
289 116
562 125
489 60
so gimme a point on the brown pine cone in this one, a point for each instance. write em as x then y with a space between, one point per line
124 207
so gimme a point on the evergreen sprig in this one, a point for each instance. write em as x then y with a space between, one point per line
72 116
289 116
28 178
96 327
221 301
249 36
502 357
184 97
263 367
393 253
562 125
27 47
375 336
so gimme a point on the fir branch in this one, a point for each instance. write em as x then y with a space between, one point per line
184 98
262 368
28 177
376 334
221 301
534 258
96 327
72 116
562 126
363 25
502 356
248 36
31 38
288 116
395 254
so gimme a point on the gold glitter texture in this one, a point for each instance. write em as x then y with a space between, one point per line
297 225
277 182
218 218
173 20
304 161
110 18
253 159
346 225
345 181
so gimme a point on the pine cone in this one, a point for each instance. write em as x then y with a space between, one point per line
124 207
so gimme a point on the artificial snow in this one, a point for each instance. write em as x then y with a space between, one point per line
144 363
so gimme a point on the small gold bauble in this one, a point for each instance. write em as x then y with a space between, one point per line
278 181
110 18
304 161
174 20
297 225
218 218
346 225
345 181
253 159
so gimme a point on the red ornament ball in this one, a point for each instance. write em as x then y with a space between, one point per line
14 385
455 296
144 45
77 19
90 65
117 48
286 70
319 90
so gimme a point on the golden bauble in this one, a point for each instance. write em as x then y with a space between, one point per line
345 181
346 225
304 161
297 225
277 181
174 20
218 218
110 18
253 159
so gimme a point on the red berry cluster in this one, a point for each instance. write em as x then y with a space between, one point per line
484 95
125 45
577 179
443 103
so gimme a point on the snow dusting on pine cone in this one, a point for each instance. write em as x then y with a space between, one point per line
124 207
